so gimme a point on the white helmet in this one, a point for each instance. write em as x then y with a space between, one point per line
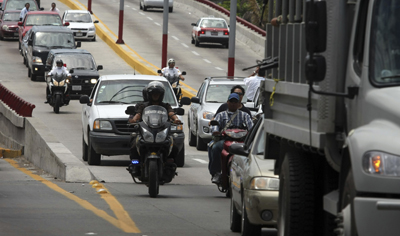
171 60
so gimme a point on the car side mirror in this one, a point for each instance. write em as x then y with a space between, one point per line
194 24
159 71
71 71
131 110
195 100
84 99
99 67
96 21
185 101
238 149
183 72
78 44
214 122
20 23
179 111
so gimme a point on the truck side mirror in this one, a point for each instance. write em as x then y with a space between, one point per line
30 42
316 69
316 28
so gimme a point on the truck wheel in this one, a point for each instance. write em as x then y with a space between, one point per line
180 159
296 196
153 178
235 219
200 144
248 229
347 198
93 157
84 149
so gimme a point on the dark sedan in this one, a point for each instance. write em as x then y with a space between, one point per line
9 24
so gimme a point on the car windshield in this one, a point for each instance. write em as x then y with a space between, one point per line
219 93
76 61
19 5
42 19
54 40
78 17
385 46
11 16
259 144
213 24
128 91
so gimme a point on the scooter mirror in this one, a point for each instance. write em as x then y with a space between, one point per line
183 72
71 71
214 122
131 110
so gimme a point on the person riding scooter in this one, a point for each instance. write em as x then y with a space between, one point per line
232 117
171 73
58 69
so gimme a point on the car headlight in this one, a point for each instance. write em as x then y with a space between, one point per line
102 125
177 127
161 136
208 115
92 29
37 60
5 27
380 163
93 81
264 183
147 136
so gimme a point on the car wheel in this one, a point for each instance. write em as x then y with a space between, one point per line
248 229
196 42
180 159
171 9
235 219
93 157
144 8
140 6
192 42
200 144
33 76
94 39
84 149
296 196
226 45
1 38
192 137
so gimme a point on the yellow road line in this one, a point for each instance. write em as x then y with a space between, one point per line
123 221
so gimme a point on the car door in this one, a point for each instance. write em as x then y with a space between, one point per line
30 49
195 29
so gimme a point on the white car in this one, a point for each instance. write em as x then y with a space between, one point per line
81 23
144 4
210 30
105 124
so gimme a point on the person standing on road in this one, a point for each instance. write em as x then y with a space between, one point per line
24 11
54 8
253 83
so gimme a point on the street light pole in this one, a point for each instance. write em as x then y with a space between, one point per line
165 35
232 38
121 22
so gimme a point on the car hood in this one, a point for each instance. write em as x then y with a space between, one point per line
113 111
80 25
265 166
93 73
11 23
212 107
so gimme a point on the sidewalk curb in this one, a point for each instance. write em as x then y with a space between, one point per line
9 153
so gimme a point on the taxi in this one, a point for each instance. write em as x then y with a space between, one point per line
210 30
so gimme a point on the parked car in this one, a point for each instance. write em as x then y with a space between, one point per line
40 41
81 23
145 4
212 93
254 186
49 18
210 30
104 122
9 24
82 66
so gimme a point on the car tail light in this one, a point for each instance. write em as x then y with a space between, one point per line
202 32
226 32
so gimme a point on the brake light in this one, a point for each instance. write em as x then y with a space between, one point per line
226 32
202 32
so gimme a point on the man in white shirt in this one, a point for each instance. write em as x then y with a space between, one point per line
24 11
253 83
172 73
54 8
59 69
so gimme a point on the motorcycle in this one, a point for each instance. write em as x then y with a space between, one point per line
230 136
154 143
58 86
174 81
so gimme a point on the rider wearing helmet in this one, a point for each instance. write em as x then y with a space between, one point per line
172 73
58 69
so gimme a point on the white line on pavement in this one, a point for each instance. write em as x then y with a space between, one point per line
218 68
186 46
141 13
207 61
157 23
134 9
149 18
201 161
195 53
126 5
174 37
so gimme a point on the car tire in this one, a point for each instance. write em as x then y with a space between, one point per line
196 42
226 45
200 144
94 39
84 149
296 196
235 218
192 137
247 228
144 8
93 157
140 6
171 9
192 42
33 77
180 159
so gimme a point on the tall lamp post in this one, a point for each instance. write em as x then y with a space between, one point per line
232 38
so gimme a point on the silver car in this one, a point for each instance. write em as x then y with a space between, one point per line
144 4
213 92
254 187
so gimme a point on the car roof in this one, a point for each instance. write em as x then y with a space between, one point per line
133 77
50 28
211 18
65 51
76 11
225 80
41 13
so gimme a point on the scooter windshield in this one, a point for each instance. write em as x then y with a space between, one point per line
155 116
59 77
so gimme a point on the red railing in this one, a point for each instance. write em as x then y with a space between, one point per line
238 19
19 105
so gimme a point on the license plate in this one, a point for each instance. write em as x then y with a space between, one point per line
214 33
79 34
76 87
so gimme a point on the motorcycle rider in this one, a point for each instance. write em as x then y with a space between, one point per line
232 117
171 73
154 94
58 69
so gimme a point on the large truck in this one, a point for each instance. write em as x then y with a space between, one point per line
333 115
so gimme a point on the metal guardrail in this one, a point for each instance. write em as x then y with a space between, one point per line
238 19
19 105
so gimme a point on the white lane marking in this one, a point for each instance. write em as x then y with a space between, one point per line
141 13
157 23
134 9
201 161
126 5
174 37
149 18
195 53
186 46
218 68
207 61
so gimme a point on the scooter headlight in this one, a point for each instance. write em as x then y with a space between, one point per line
55 83
161 136
233 134
147 136
61 83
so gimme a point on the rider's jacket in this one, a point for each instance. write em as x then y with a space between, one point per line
171 74
58 70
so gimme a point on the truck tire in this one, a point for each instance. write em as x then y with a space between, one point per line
296 196
180 159
153 178
84 149
93 157
248 229
235 219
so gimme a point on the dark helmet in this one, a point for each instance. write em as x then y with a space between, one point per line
59 62
144 93
155 87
